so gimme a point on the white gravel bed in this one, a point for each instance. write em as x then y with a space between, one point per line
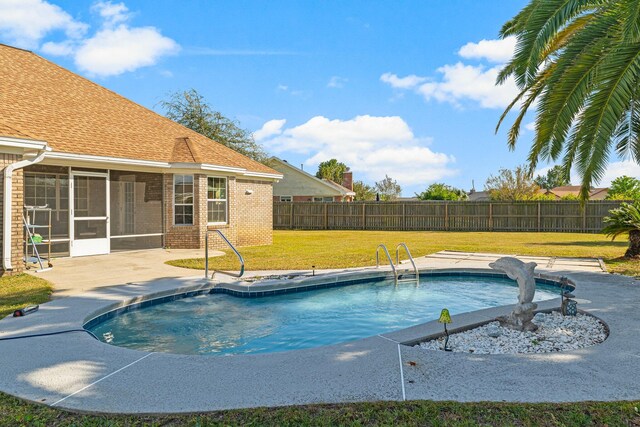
555 333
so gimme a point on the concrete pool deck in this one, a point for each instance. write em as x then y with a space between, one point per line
77 372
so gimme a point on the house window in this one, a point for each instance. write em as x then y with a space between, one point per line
217 200
286 199
323 199
183 199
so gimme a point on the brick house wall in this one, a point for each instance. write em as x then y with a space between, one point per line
255 212
16 213
249 216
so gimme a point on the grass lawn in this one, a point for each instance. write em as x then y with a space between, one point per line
22 290
15 412
340 249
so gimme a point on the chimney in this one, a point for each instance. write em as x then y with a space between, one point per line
347 180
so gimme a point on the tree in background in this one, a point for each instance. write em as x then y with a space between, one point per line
333 170
625 219
191 110
439 191
388 188
512 185
363 191
624 188
555 177
578 64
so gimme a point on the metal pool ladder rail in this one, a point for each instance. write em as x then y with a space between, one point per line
386 252
206 256
406 249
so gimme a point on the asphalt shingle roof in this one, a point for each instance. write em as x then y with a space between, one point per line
74 115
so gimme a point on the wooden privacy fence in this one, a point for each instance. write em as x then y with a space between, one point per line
560 216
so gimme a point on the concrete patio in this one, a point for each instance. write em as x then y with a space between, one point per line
72 276
77 372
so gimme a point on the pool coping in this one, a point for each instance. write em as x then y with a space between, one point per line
74 371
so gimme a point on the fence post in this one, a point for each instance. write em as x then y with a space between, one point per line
364 216
584 217
291 216
326 216
538 217
490 216
404 218
446 215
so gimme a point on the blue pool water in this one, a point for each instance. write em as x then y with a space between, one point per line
220 324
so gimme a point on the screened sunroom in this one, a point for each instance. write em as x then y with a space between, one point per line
96 211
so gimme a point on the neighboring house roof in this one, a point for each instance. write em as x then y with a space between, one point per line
478 196
291 185
74 115
574 190
342 189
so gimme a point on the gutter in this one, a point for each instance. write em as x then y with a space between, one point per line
7 205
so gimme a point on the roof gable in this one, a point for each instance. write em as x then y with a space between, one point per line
293 176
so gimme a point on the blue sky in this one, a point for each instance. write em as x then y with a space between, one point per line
398 88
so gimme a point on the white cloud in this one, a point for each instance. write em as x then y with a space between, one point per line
613 171
115 48
531 126
460 83
616 169
408 82
112 14
115 51
499 51
269 129
468 82
64 48
336 82
25 23
372 146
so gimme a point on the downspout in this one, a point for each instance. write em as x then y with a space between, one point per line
7 207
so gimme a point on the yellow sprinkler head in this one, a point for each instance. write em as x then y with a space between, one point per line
445 317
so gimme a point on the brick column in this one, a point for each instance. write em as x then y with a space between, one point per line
17 204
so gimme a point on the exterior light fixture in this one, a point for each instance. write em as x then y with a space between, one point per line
445 318
248 192
569 307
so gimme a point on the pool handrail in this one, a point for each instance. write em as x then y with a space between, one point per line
206 256
406 249
386 252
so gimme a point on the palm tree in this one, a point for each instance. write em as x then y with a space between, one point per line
625 219
578 62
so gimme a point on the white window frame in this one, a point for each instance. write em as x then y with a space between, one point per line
290 198
192 204
225 200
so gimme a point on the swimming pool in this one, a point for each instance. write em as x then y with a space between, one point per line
220 324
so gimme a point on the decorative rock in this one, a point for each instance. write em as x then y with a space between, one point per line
493 331
555 333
